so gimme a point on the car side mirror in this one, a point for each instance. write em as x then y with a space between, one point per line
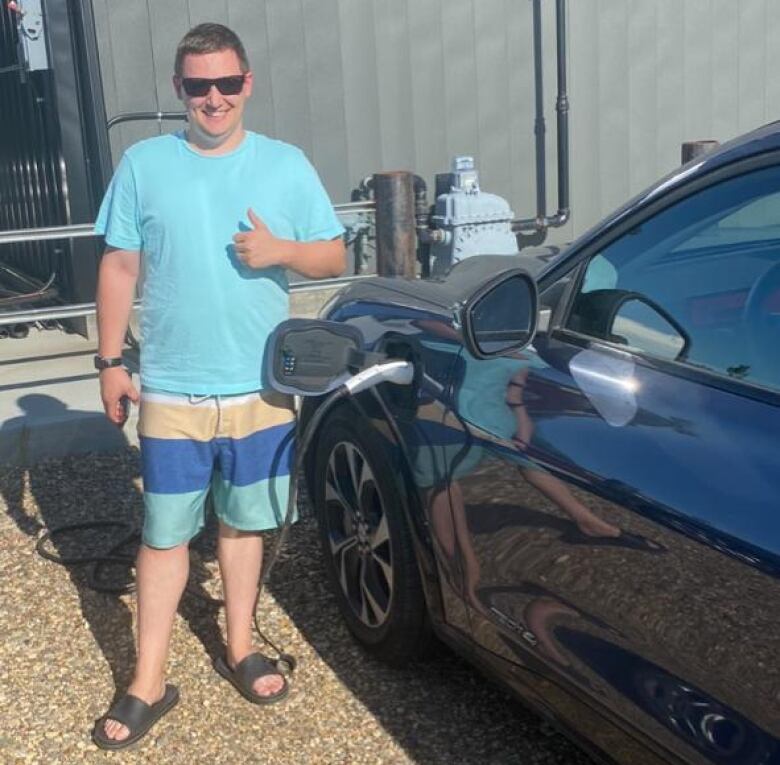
629 318
641 323
311 357
501 315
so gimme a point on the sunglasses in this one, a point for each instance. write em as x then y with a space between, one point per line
197 87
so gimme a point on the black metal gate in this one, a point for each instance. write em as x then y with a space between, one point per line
54 156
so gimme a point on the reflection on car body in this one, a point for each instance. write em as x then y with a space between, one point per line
595 518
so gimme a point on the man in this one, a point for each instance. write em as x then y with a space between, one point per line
218 213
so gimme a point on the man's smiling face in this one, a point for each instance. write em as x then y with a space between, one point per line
215 119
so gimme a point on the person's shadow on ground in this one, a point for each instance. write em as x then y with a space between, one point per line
77 488
88 487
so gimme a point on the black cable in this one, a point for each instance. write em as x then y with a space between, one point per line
99 559
66 560
284 662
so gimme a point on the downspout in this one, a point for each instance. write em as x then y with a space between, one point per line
541 222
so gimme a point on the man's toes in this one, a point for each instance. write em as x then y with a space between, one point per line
268 685
115 730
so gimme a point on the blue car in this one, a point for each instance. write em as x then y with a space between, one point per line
580 491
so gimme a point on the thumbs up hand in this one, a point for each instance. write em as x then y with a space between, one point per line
258 247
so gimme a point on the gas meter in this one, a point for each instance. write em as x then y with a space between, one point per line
470 221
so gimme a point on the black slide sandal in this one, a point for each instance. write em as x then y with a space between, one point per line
136 715
246 672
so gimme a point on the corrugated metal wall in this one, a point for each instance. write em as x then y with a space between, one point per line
363 85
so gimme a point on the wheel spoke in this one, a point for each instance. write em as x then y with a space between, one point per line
341 563
365 478
364 610
381 534
368 597
356 464
333 490
386 569
343 546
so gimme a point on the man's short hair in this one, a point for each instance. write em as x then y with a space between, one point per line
209 38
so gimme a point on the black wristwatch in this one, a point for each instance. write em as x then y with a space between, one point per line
105 363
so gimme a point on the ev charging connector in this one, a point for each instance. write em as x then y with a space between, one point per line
314 357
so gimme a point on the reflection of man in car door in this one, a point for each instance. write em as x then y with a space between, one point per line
490 397
556 491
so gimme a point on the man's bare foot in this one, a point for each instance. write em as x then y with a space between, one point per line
593 526
267 685
150 694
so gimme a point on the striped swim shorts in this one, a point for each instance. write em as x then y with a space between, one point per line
239 447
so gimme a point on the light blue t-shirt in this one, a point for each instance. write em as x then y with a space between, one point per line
206 316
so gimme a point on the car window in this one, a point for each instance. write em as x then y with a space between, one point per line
757 220
698 283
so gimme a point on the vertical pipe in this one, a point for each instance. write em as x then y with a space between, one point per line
539 125
422 218
395 224
541 222
562 108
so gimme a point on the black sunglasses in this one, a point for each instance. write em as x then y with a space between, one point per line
197 87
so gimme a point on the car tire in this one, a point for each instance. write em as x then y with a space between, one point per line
367 547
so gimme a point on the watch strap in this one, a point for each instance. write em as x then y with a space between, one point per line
103 362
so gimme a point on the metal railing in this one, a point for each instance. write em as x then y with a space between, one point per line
82 230
15 236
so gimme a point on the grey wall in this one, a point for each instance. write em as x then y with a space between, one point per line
363 85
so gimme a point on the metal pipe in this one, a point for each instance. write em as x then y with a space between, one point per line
395 224
422 219
40 296
141 116
353 207
43 234
562 109
318 284
88 309
80 230
541 222
540 128
52 312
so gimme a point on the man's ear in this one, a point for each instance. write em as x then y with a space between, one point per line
177 87
248 79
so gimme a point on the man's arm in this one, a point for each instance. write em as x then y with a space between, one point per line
117 278
259 248
316 260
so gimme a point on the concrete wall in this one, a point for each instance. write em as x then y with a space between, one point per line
363 85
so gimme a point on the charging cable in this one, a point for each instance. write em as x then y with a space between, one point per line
395 371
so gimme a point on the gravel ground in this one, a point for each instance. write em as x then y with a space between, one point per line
66 649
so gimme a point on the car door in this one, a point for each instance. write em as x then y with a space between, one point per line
622 498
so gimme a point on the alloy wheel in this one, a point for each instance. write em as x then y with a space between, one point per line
358 534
